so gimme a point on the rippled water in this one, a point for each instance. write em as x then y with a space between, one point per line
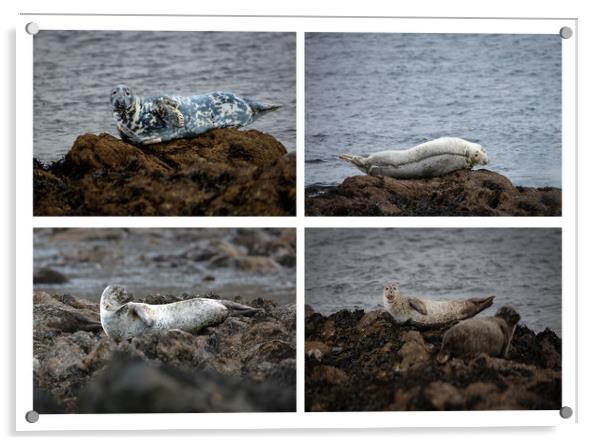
149 261
347 268
74 72
372 92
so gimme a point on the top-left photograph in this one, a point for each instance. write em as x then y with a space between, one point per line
164 123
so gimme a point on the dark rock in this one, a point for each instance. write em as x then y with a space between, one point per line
461 193
365 361
133 385
243 364
222 172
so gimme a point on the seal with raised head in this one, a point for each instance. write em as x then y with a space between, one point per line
430 159
421 312
150 120
121 318
491 335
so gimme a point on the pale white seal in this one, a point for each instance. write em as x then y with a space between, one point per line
491 335
121 318
426 313
433 158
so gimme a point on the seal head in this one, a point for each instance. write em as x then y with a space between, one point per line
122 98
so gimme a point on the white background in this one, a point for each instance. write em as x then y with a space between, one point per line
590 117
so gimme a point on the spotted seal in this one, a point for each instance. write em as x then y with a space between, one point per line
121 318
150 120
430 159
428 313
491 335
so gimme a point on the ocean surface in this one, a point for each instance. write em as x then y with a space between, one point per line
151 261
348 268
371 92
74 72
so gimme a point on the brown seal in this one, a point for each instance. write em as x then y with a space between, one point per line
491 335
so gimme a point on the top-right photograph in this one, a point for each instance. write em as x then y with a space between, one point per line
433 124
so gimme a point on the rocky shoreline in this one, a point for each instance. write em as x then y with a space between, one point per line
461 193
224 172
246 364
365 361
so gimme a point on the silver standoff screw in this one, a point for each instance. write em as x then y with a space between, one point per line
32 416
566 412
32 28
566 32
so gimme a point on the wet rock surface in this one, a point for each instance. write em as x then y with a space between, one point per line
461 193
222 172
358 361
244 364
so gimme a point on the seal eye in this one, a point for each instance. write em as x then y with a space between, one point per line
127 93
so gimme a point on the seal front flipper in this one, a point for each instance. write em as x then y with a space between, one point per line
418 305
142 313
167 110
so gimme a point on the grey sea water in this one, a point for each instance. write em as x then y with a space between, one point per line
74 72
348 268
371 92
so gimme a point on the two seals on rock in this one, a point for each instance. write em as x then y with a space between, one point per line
491 335
428 313
122 319
151 120
430 159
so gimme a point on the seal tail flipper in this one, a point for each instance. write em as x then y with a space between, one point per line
237 309
261 107
482 303
355 160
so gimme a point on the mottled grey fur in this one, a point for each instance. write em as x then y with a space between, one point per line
151 120
491 335
427 313
123 319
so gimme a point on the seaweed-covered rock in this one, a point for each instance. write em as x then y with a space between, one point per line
222 172
243 364
461 193
357 361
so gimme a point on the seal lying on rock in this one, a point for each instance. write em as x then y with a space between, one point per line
427 313
151 120
433 158
123 319
491 335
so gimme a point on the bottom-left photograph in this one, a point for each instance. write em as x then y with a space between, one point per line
164 320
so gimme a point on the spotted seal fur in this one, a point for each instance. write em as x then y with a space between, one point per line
121 318
150 120
430 159
421 312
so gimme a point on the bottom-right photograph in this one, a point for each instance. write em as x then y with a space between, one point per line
433 319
